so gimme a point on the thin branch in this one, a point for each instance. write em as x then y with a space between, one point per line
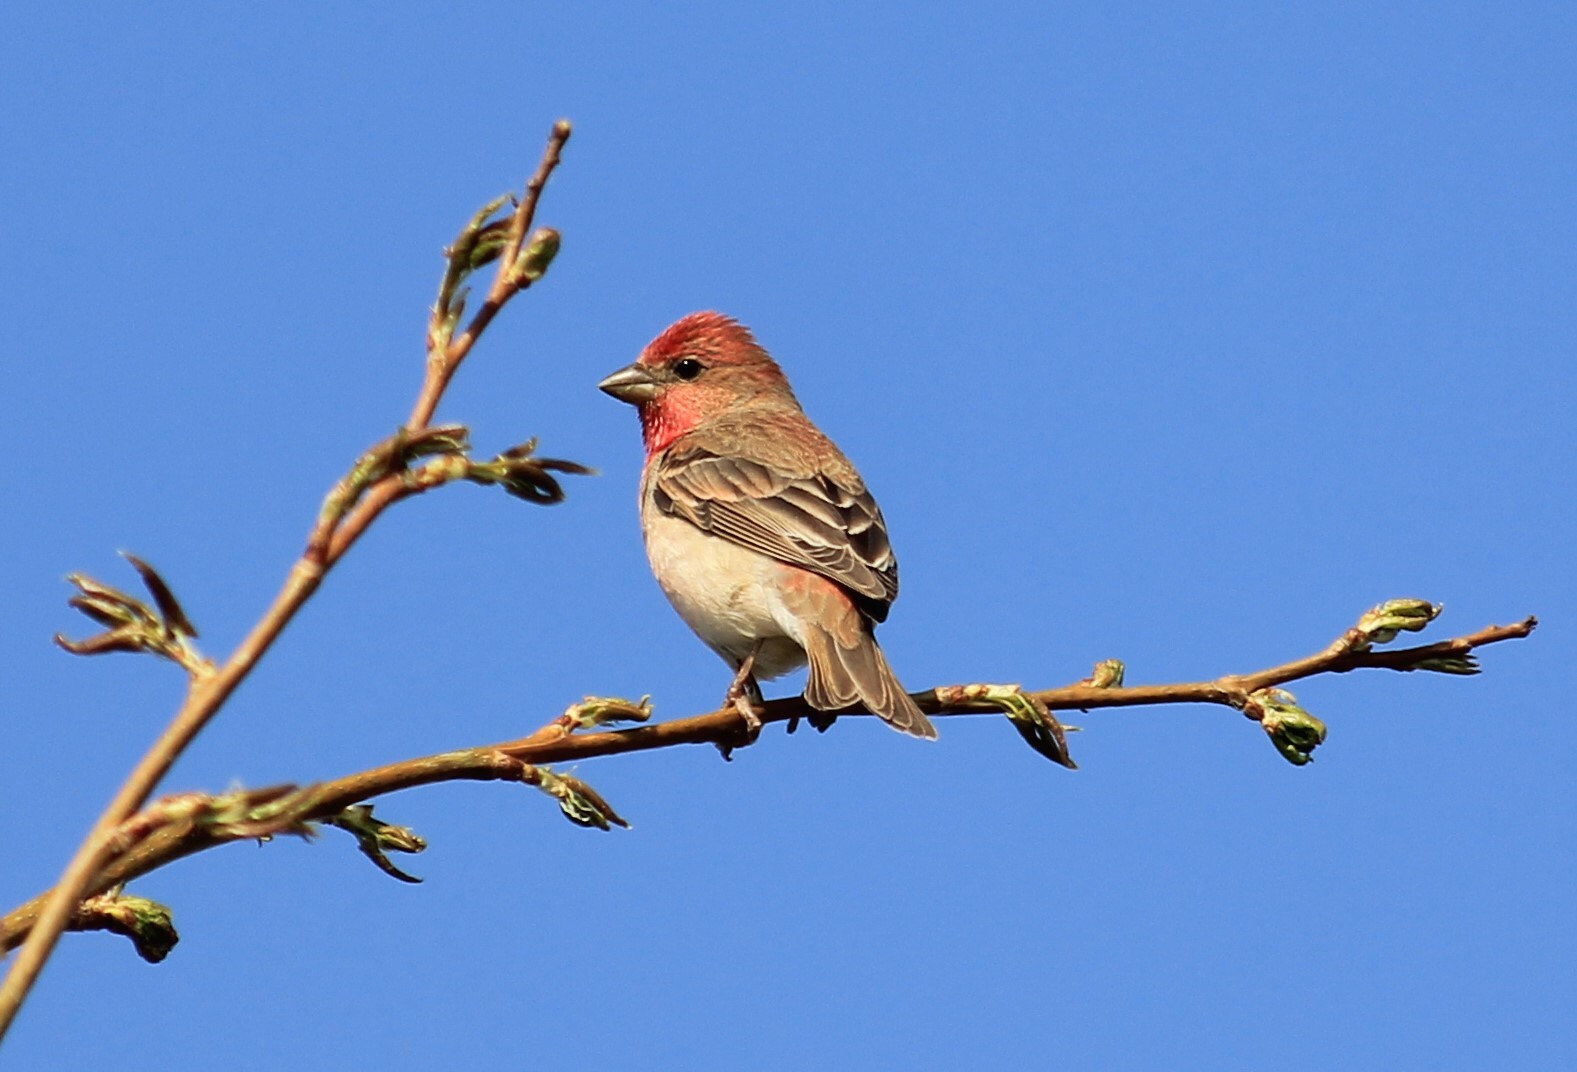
209 688
131 839
508 282
166 832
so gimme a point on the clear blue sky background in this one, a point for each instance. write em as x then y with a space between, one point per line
1175 337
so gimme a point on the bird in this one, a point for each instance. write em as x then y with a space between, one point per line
759 530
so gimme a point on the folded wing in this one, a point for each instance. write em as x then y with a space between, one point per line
828 525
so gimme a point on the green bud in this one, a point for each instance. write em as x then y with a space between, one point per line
580 803
1033 719
1108 674
1294 732
537 254
596 711
373 837
149 924
1380 625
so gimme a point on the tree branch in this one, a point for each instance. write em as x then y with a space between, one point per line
133 837
516 272
379 480
180 826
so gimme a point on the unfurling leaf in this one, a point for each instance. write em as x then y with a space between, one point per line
1464 664
133 625
148 924
373 837
1033 720
490 242
439 439
1108 674
525 476
479 242
579 802
174 616
604 711
1293 731
470 249
1380 625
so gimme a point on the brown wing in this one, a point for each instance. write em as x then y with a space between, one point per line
830 526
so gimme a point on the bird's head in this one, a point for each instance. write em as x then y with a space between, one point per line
701 366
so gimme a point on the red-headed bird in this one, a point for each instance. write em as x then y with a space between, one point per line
759 530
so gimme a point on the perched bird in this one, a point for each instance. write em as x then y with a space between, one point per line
759 530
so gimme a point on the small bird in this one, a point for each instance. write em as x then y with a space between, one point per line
759 530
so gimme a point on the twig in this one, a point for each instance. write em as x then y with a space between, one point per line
209 688
165 833
506 284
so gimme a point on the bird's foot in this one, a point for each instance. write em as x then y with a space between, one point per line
743 695
748 733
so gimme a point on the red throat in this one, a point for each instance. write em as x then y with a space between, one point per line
721 343
665 419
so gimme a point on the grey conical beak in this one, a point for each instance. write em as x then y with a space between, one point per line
632 384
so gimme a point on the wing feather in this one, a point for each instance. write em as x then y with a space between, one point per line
829 525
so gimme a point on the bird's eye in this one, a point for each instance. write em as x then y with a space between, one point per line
688 368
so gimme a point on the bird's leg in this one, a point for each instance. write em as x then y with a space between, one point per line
743 694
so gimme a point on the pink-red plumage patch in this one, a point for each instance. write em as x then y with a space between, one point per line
705 335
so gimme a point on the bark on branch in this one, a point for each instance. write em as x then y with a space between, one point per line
180 826
382 478
133 837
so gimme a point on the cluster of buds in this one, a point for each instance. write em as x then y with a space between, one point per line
524 475
133 625
481 242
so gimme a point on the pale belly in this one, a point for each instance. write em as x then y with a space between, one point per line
728 594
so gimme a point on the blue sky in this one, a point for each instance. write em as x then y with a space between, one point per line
1174 337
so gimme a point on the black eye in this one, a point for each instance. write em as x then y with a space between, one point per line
688 368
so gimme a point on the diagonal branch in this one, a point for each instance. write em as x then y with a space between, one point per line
345 518
166 832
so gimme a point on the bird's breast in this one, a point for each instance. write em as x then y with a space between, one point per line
729 595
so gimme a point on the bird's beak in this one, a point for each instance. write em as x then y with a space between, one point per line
632 384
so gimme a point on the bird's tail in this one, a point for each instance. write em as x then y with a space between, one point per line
843 677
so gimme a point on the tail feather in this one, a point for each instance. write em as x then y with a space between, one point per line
843 677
